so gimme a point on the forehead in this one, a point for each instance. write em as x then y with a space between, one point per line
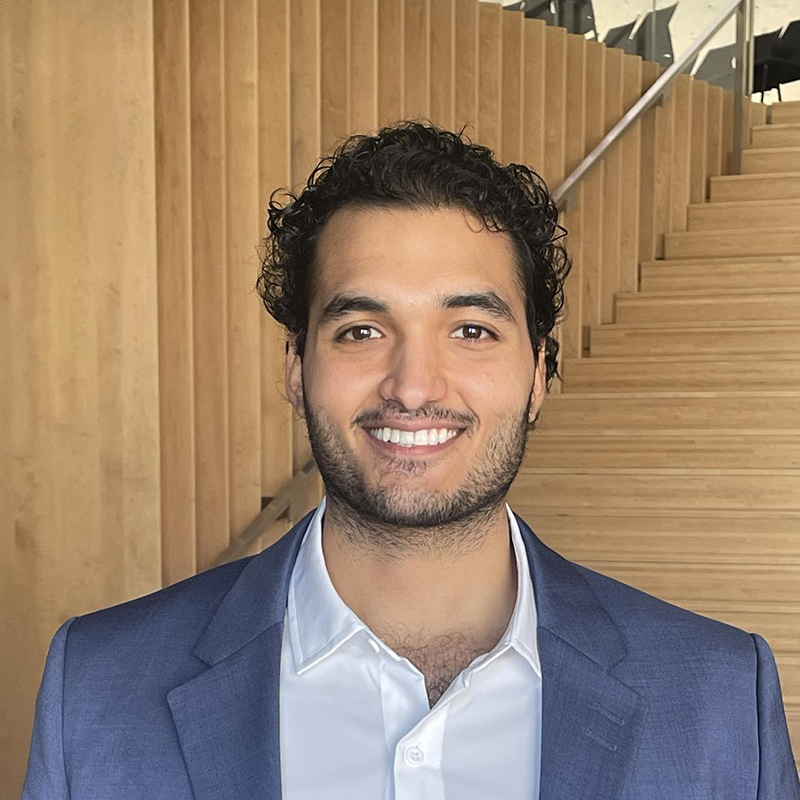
416 252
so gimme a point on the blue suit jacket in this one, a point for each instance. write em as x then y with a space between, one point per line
176 694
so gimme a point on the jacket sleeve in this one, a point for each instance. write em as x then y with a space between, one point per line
46 777
777 773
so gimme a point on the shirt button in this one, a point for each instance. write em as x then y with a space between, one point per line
414 756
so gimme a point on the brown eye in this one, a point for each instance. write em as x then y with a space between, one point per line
341 336
478 338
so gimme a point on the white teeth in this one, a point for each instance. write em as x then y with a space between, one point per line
432 436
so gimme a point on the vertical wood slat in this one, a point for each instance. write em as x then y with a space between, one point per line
490 75
79 296
362 76
664 120
555 106
533 93
513 34
727 132
570 332
612 188
174 241
648 161
715 135
698 183
390 61
681 152
274 173
442 60
209 284
242 229
630 201
334 73
591 222
465 77
305 126
416 59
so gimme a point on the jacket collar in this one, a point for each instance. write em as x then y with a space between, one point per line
228 716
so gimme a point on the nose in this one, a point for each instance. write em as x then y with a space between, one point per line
414 375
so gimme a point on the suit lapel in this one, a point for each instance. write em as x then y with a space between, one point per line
591 722
228 717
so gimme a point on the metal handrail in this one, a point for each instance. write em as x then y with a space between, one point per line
744 9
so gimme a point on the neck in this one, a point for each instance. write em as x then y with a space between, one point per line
423 584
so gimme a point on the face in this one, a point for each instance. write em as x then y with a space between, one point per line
416 322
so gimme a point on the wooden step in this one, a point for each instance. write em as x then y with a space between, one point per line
702 413
742 216
719 339
778 272
788 112
723 305
786 135
674 581
760 161
680 373
705 244
648 537
668 450
692 489
735 188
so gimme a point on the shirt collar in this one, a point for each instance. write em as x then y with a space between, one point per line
320 622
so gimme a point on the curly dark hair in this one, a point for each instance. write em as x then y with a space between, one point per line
418 165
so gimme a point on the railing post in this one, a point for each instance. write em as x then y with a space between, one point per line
740 83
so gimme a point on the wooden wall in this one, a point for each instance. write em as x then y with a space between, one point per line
143 414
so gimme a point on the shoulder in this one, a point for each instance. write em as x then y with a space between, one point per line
650 624
168 621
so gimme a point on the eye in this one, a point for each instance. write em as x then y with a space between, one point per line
341 336
475 327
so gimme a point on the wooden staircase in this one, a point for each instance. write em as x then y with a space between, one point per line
671 458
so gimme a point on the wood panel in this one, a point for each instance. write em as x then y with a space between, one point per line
648 166
362 76
442 60
612 187
490 75
466 66
416 59
714 144
174 242
681 152
209 282
555 107
334 74
533 93
513 43
592 229
243 220
699 137
79 302
274 149
630 166
570 331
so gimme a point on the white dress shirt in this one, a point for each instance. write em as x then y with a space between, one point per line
355 720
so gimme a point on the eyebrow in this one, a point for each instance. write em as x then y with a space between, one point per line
345 303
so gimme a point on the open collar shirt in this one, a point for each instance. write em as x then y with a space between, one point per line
355 717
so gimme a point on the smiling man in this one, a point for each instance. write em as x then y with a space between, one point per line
411 637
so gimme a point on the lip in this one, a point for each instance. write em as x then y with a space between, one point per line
417 450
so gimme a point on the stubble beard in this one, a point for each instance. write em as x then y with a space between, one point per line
389 511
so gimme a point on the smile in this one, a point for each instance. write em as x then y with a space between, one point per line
409 443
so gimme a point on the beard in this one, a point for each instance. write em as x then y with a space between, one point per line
388 511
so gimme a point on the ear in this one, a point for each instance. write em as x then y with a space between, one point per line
539 385
294 377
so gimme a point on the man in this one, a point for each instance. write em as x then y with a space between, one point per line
411 637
